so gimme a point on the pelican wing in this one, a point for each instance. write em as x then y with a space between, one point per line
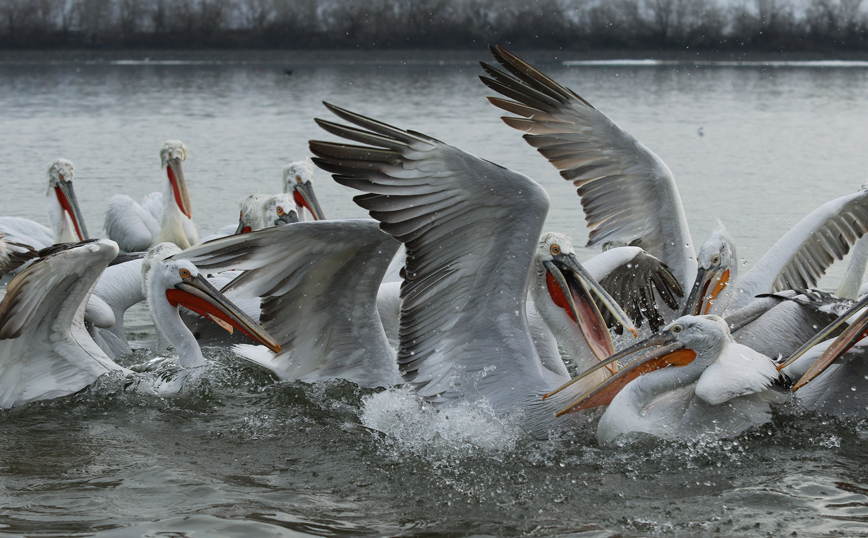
26 232
738 371
627 191
318 282
802 255
470 228
13 255
44 350
635 279
119 287
130 225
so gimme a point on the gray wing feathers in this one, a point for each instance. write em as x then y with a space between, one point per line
626 191
129 224
470 228
44 350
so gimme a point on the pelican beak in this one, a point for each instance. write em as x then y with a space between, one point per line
667 352
242 227
571 287
66 196
305 197
708 283
179 186
847 339
824 334
201 297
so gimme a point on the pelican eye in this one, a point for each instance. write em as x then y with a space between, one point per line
715 260
555 250
298 178
677 329
185 273
280 211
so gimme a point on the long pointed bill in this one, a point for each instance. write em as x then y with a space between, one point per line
654 340
707 285
305 197
289 217
673 354
824 333
847 339
201 297
179 186
66 197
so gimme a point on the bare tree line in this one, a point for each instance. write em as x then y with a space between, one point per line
672 24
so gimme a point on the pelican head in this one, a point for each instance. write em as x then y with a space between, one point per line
297 180
250 214
278 210
570 288
60 174
717 266
183 285
172 154
677 345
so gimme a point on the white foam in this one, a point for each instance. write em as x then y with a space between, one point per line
406 419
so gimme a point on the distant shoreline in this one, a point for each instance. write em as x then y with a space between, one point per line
407 56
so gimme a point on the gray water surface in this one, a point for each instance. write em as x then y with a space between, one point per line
245 455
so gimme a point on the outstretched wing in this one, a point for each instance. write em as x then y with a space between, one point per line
627 191
635 279
45 351
318 282
13 255
802 255
470 228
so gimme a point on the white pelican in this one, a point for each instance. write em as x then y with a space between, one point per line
697 383
162 217
45 350
297 181
472 230
318 283
629 195
64 214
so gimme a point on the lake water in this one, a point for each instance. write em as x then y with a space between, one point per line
243 455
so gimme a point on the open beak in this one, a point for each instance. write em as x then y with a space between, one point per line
846 340
823 335
305 197
66 196
709 283
179 186
201 297
570 287
667 352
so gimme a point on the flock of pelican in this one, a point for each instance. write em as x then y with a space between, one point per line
452 286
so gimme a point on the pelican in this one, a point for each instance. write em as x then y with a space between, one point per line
629 194
263 210
64 214
161 217
297 181
697 383
472 230
317 297
45 350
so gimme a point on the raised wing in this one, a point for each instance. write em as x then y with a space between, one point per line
44 350
13 255
802 255
627 191
318 282
635 279
470 228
